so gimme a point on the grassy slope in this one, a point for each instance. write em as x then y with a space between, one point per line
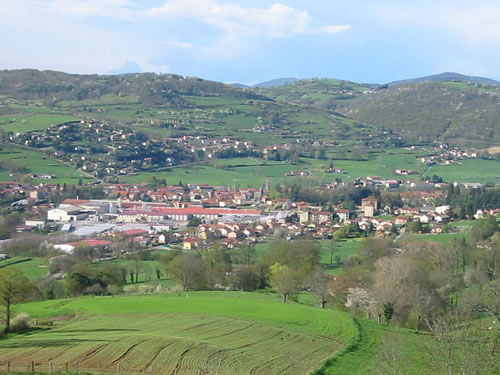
23 124
244 332
472 170
33 268
443 238
38 163
245 172
433 110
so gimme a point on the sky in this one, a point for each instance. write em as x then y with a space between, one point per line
371 41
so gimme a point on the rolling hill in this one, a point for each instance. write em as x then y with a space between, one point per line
457 112
450 107
226 333
447 76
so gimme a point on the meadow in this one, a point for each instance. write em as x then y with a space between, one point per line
28 123
245 172
441 238
36 162
470 170
227 332
33 268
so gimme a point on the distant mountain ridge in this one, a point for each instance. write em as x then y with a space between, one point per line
447 76
272 83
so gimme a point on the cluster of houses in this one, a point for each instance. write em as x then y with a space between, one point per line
210 146
194 216
446 155
99 147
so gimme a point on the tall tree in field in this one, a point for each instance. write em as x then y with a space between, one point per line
284 280
333 247
14 288
318 282
188 270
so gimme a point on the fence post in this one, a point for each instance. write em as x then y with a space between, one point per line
32 366
50 367
8 367
66 367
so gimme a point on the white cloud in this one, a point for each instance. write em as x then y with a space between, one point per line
278 20
471 22
123 9
178 44
333 29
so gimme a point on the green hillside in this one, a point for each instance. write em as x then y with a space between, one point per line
457 112
235 333
321 93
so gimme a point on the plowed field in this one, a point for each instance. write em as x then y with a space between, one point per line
238 334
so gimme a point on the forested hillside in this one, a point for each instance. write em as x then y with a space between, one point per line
457 112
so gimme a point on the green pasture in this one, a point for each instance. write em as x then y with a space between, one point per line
242 176
343 249
36 162
233 332
105 100
147 271
370 353
32 268
24 124
469 170
441 238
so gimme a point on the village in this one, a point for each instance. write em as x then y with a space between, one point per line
198 216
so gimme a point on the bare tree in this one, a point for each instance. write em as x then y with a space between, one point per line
188 270
391 359
318 282
460 345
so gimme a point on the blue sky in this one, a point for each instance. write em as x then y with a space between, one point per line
252 41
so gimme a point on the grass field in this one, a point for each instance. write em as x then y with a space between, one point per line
443 238
147 271
33 268
23 124
254 172
470 170
37 163
232 332
343 249
241 176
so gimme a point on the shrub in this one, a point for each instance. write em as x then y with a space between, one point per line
20 323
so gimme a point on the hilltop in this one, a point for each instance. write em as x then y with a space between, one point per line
447 76
150 88
456 112
449 107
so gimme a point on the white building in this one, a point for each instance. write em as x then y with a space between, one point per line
66 213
